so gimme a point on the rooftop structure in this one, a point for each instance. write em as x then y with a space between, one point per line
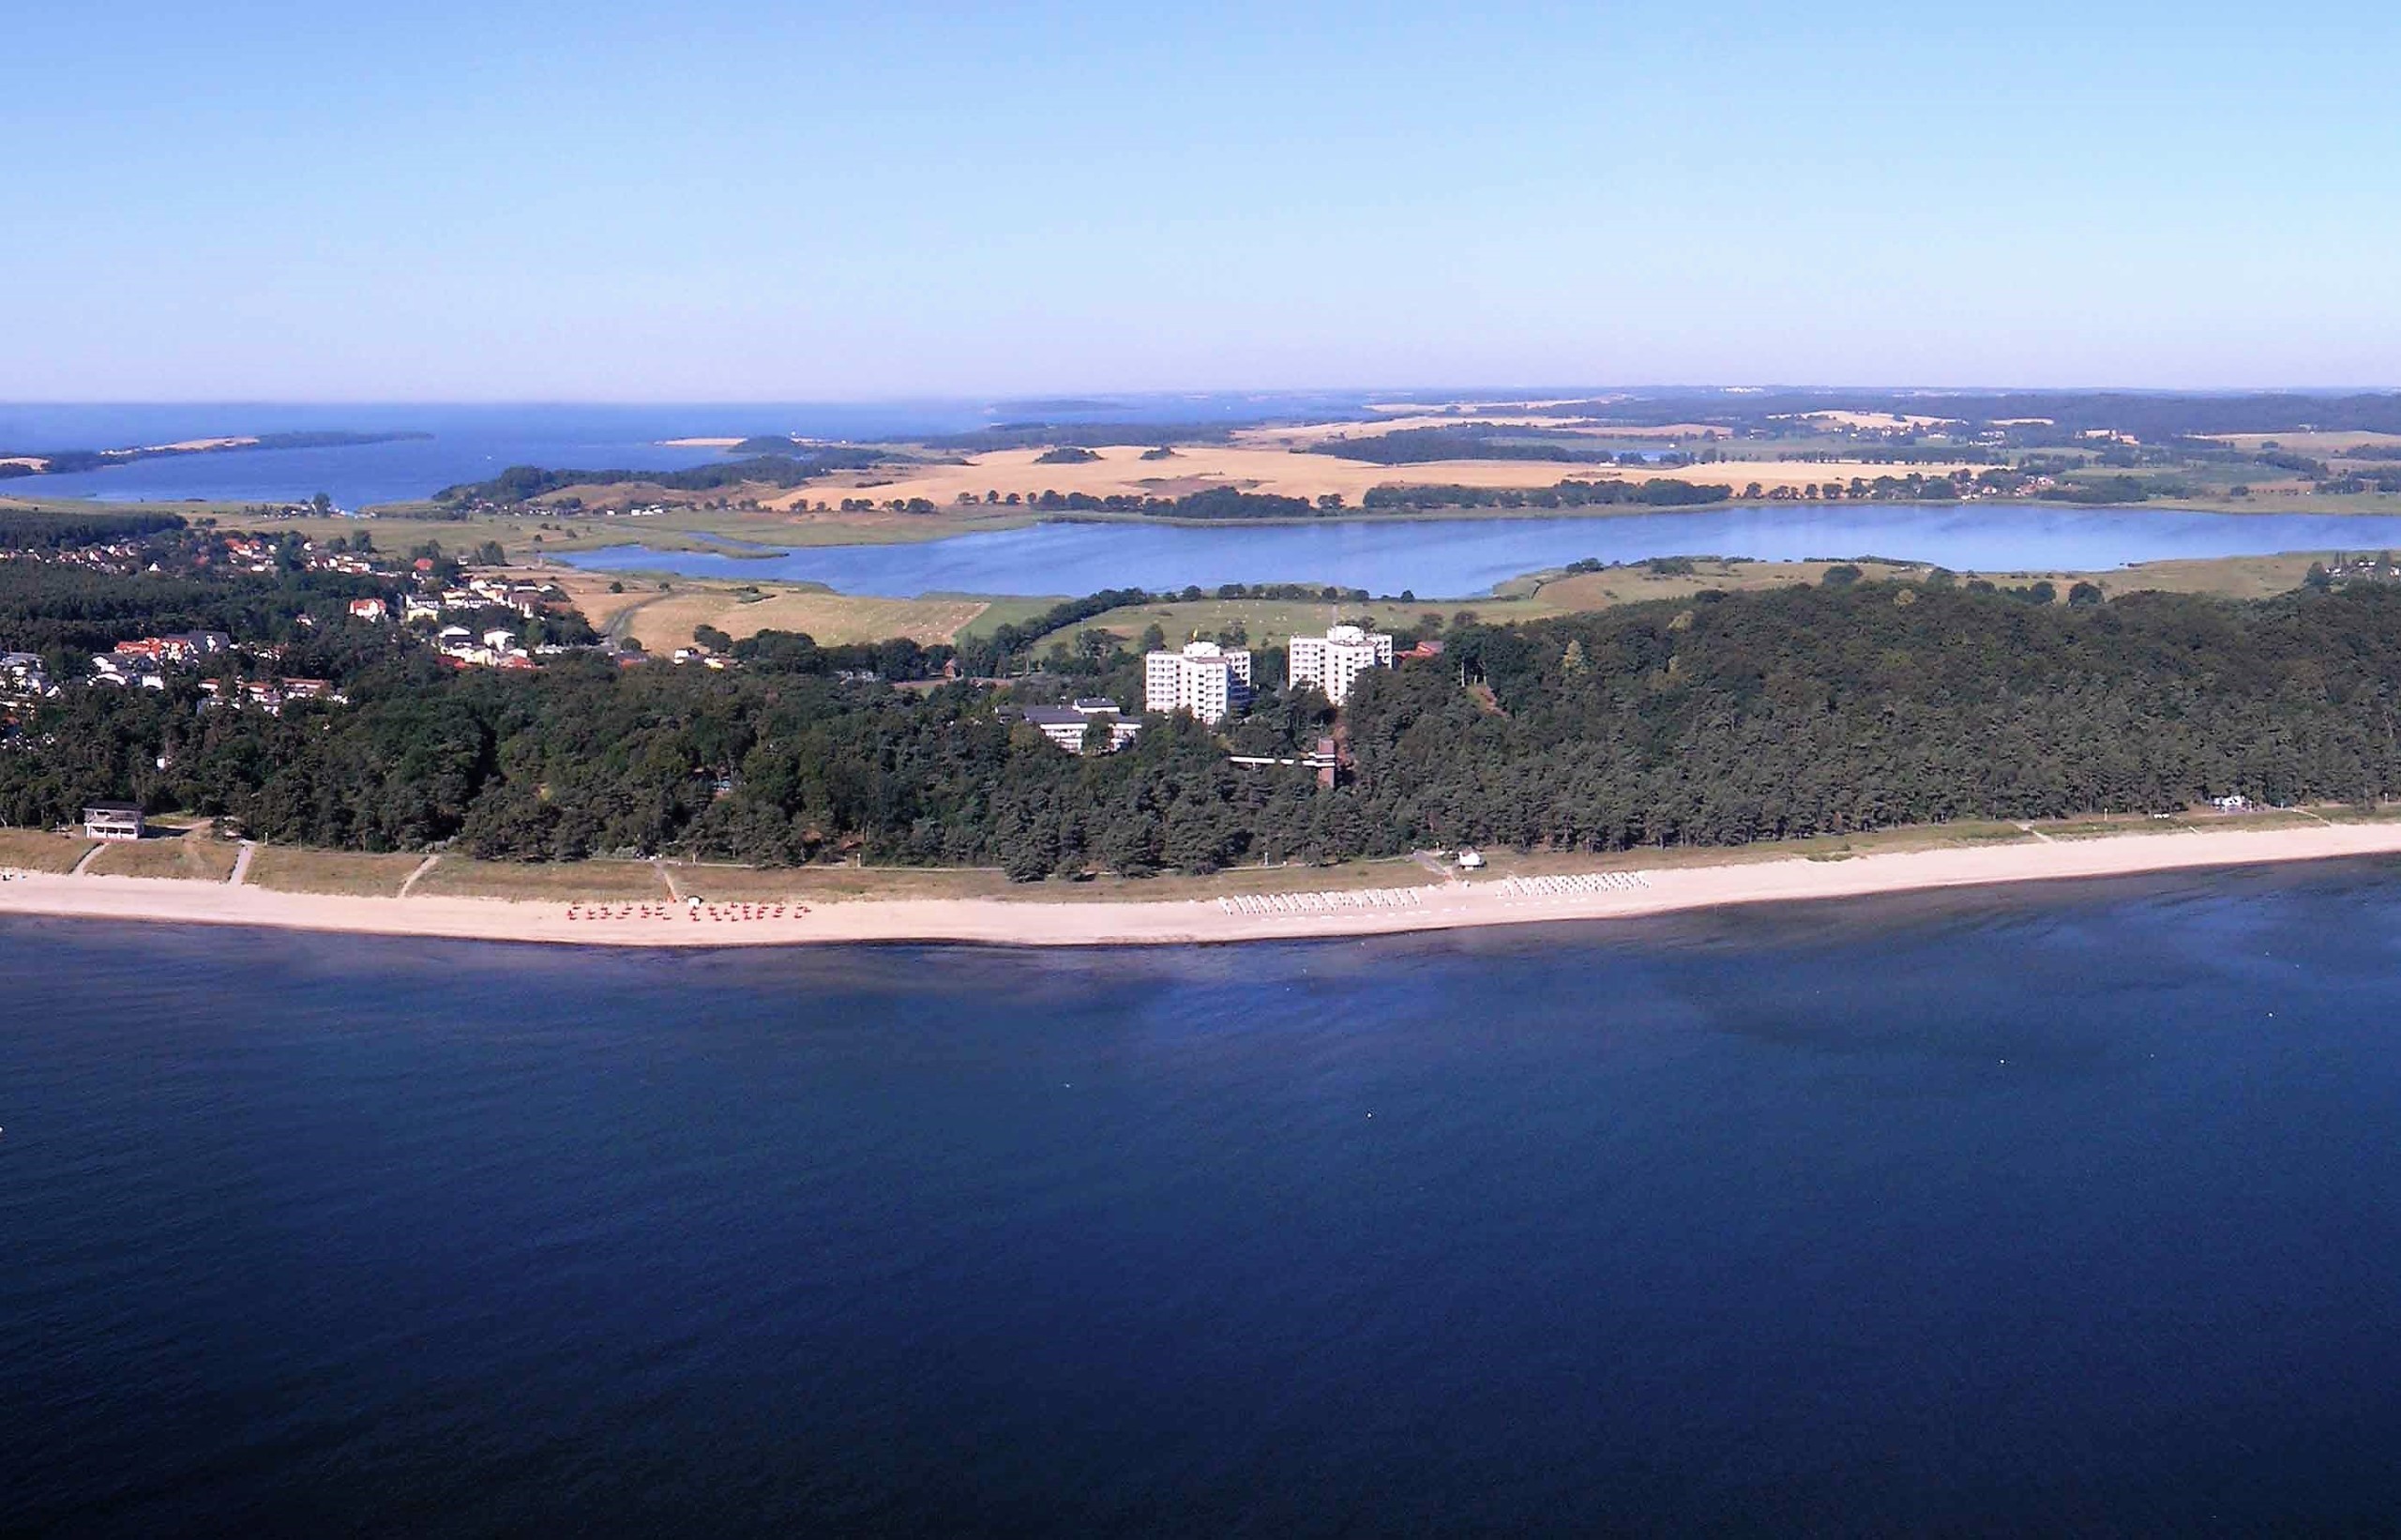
1204 679
1333 661
1068 726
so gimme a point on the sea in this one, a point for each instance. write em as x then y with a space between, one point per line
459 444
2056 1209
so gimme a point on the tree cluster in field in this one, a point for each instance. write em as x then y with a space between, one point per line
524 483
1723 720
1422 445
1028 436
45 531
1656 492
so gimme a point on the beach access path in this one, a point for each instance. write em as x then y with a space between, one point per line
1029 921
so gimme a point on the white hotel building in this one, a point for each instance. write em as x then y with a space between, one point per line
1333 660
1203 679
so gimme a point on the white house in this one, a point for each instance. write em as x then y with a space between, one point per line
1204 679
1333 661
113 821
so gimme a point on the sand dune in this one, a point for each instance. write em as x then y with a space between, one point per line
1030 922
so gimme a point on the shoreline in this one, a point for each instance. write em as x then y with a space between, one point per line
1031 922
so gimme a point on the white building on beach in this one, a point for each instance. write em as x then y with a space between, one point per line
1333 661
1204 679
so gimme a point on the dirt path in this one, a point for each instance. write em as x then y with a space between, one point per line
87 858
422 868
241 872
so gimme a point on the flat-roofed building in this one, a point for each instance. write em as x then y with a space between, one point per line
1204 679
1070 726
1333 662
113 821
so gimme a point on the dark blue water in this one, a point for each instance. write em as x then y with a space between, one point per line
2051 1211
1465 556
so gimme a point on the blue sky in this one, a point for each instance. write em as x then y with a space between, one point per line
601 201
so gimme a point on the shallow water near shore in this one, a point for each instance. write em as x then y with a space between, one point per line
2013 1209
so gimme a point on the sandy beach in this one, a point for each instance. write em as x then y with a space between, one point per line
1030 922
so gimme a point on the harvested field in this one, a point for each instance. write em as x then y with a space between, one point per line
665 621
1120 471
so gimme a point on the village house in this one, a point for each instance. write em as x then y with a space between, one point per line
367 610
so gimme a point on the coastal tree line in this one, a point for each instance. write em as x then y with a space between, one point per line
1723 720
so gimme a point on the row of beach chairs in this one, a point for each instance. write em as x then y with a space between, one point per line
698 911
1573 884
1320 903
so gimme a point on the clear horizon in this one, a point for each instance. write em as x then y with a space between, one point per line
596 204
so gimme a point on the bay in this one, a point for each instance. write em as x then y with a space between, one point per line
1465 557
2043 1209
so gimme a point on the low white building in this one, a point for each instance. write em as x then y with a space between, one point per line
1068 726
1204 679
113 821
1333 662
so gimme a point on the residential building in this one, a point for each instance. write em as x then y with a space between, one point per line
113 821
21 674
1204 679
367 610
1333 661
1066 726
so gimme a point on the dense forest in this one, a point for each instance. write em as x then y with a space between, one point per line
1722 719
44 531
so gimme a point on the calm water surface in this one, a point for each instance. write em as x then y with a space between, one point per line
1468 556
472 443
2068 1209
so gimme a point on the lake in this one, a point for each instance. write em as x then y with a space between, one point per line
1462 557
2059 1210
